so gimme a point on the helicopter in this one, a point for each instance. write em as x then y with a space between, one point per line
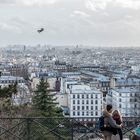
40 30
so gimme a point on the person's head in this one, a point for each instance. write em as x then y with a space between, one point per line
109 108
116 112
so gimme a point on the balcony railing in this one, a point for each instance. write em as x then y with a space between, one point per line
57 128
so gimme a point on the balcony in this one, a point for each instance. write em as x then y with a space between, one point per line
57 128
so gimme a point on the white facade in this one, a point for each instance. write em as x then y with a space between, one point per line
66 83
62 99
34 83
126 100
136 68
84 102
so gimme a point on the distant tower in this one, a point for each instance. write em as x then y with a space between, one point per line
57 85
24 48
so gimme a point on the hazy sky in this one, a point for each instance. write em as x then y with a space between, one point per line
93 22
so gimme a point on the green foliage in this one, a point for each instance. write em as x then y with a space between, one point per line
6 93
44 102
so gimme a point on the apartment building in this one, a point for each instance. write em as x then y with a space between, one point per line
84 102
126 100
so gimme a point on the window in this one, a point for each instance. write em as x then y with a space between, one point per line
73 113
73 101
96 102
78 96
87 107
73 96
96 96
67 86
78 101
78 107
96 107
96 113
87 96
82 101
102 84
87 113
78 113
87 102
91 113
73 107
83 107
91 107
91 101
83 113
91 95
120 105
120 100
82 95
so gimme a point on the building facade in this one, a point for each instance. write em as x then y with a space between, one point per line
126 100
84 102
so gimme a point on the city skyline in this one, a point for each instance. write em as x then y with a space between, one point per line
71 22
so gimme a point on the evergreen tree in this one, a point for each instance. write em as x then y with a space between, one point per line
44 101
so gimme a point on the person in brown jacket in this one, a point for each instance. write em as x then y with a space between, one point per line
110 125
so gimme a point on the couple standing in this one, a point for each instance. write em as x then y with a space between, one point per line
112 123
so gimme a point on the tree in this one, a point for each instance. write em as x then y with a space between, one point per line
44 102
6 103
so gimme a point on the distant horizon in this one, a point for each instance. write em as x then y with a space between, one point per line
83 46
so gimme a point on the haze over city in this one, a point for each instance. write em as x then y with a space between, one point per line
70 22
69 69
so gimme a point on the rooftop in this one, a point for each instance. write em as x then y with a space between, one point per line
4 78
127 90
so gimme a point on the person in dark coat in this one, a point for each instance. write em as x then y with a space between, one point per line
118 118
109 123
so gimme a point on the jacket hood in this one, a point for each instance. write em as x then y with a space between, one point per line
106 113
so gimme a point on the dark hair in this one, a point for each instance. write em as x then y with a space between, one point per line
108 107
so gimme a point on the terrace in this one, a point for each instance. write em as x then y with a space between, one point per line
57 128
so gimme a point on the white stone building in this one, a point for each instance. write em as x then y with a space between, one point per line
126 100
84 102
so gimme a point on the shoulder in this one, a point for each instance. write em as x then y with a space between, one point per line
106 114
